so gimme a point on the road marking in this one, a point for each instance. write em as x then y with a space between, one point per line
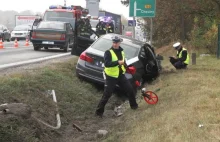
4 66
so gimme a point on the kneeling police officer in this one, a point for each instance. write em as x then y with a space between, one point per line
114 73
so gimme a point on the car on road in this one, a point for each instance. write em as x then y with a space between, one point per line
53 34
140 57
4 33
21 32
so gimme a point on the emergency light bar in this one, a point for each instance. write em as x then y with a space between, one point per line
60 7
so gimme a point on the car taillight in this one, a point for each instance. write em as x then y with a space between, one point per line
63 37
131 70
85 57
137 83
34 35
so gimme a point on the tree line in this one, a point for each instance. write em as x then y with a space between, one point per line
194 21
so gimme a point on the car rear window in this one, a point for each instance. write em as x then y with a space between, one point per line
51 25
131 51
54 14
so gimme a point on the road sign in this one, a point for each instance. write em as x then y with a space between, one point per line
142 8
131 22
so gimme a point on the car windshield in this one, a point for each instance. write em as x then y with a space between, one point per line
51 25
131 50
21 28
94 23
57 14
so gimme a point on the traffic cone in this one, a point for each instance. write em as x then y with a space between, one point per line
1 44
16 43
27 42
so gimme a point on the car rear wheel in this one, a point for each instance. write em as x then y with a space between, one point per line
36 48
66 49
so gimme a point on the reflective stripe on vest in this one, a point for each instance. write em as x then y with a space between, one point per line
114 71
187 57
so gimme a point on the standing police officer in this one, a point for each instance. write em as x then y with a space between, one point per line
182 59
114 73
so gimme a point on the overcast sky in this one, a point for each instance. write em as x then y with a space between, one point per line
114 6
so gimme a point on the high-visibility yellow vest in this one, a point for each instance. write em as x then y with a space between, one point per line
114 71
187 57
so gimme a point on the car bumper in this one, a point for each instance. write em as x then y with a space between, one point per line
55 43
18 38
85 75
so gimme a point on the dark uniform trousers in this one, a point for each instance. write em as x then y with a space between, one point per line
110 84
178 64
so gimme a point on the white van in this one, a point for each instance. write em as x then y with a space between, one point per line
21 32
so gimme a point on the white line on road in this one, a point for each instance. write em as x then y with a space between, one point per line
32 61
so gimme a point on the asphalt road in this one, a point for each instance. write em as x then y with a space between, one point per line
10 54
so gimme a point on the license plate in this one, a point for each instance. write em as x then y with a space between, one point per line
48 42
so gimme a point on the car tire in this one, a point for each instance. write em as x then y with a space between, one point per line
46 48
36 48
8 40
74 50
3 38
67 47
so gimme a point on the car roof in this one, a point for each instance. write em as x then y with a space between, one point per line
54 22
25 25
126 40
59 10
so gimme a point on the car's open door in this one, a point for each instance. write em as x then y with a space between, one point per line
149 61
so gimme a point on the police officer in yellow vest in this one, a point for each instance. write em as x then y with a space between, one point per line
114 73
182 59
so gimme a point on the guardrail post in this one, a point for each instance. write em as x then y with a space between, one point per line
193 58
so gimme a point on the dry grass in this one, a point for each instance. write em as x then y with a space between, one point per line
76 101
186 99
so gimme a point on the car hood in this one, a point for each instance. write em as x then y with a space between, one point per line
19 32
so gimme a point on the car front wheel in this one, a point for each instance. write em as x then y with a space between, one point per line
67 47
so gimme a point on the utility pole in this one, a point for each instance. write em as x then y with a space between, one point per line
64 2
133 27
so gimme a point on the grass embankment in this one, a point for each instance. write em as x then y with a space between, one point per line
186 99
76 101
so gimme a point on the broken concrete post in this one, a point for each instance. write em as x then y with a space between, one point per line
102 133
17 109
